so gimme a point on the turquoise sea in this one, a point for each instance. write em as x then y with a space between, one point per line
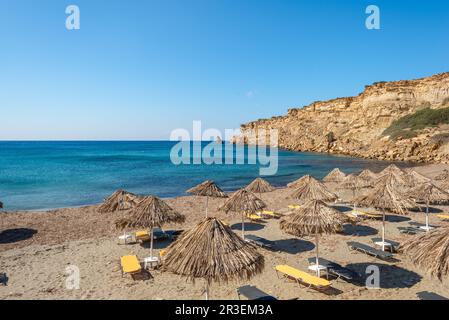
45 175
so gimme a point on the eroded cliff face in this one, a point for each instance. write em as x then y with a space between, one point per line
354 126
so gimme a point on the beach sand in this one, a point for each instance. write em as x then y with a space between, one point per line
43 244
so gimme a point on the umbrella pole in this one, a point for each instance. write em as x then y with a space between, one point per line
151 247
207 204
383 232
207 290
427 217
317 256
243 226
353 196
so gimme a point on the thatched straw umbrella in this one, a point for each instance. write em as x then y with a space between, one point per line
119 200
392 168
313 190
430 251
335 175
243 202
207 189
385 197
414 178
259 186
314 219
213 252
443 175
300 182
367 175
354 183
399 182
152 212
429 194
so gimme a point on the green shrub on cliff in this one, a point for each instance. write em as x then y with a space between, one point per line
407 127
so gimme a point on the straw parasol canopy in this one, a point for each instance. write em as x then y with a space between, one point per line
259 185
300 182
119 200
398 181
443 175
386 198
430 251
367 175
314 219
313 190
213 252
244 202
207 189
392 168
429 194
415 178
354 183
153 212
335 175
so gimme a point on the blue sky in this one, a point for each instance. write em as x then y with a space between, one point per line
139 69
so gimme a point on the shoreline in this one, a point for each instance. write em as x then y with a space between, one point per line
88 240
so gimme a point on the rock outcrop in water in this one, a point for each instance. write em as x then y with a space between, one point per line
354 125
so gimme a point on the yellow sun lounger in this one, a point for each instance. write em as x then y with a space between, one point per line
142 236
163 253
254 217
130 265
269 214
368 215
443 216
304 278
294 206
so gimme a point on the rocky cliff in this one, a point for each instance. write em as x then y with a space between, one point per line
355 125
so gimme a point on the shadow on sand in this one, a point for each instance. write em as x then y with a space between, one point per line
359 230
16 235
396 218
391 277
342 208
249 226
293 245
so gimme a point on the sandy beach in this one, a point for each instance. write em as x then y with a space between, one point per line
36 248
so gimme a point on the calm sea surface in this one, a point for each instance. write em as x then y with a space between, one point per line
44 175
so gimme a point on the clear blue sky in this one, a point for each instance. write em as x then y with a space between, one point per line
138 69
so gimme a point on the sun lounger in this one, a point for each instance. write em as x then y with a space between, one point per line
253 293
336 269
303 278
261 242
394 244
130 265
410 230
426 295
443 216
254 217
269 214
357 246
142 236
421 225
162 253
366 215
294 206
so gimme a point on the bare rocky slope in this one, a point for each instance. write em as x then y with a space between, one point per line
354 126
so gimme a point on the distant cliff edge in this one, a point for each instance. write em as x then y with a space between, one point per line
402 120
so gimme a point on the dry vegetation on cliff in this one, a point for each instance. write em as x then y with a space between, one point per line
401 120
